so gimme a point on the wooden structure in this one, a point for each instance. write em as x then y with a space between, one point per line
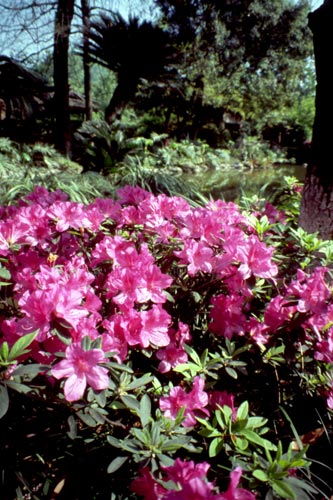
27 103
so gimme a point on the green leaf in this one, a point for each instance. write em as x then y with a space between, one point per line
4 351
97 415
4 400
4 274
243 411
175 444
139 382
116 443
284 490
29 370
300 484
116 464
131 402
145 410
255 439
193 354
72 433
140 435
16 386
255 422
87 419
260 475
215 447
240 443
20 346
165 460
231 372
182 367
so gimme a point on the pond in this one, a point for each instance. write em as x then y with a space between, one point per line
230 184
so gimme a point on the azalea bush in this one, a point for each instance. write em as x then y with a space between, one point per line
155 350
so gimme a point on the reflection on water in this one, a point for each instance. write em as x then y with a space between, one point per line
230 184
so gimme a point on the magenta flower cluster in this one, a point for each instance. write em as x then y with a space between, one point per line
105 271
189 482
119 274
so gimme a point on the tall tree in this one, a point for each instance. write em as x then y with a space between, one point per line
134 50
317 200
85 11
239 46
63 21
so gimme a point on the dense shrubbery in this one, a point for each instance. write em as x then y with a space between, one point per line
152 349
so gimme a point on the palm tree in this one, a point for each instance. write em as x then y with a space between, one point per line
135 51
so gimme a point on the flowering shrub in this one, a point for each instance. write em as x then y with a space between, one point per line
168 344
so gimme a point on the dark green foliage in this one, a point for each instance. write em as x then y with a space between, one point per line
134 50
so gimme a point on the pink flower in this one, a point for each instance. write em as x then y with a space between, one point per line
258 331
170 357
147 486
151 284
11 233
197 255
155 326
114 340
227 316
255 258
277 313
273 214
81 368
38 307
221 398
66 214
41 196
132 195
182 471
233 492
194 489
312 291
174 353
194 402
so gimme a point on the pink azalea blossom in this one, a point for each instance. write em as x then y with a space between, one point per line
155 326
132 195
233 492
170 357
194 402
41 196
278 312
182 471
80 368
221 398
255 258
312 291
174 353
34 218
152 284
259 332
11 233
273 214
146 486
114 340
197 256
227 315
66 214
194 489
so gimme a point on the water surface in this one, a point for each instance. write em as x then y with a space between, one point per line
231 184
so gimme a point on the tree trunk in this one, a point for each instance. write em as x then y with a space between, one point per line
85 10
122 95
317 201
63 20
